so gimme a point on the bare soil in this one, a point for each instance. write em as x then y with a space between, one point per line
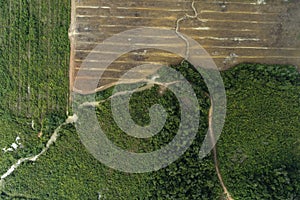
232 31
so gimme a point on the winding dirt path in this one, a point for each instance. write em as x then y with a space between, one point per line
53 138
214 151
210 114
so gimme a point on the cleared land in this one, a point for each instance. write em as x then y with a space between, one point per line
232 31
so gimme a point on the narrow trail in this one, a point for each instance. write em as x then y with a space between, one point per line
177 28
53 138
149 85
210 115
214 151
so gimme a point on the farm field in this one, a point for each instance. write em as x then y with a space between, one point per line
258 152
232 32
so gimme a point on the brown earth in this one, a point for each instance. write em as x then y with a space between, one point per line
232 32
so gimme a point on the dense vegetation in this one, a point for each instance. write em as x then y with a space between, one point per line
34 55
259 149
260 145
34 62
